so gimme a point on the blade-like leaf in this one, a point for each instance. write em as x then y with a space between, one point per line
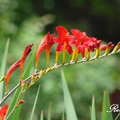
3 66
49 111
106 105
63 115
69 107
33 110
41 117
15 115
93 115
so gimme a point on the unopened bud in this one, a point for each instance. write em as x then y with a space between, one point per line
22 83
117 47
103 47
28 85
20 102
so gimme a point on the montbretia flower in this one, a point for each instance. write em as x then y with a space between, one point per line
3 111
84 44
10 71
24 56
46 44
63 41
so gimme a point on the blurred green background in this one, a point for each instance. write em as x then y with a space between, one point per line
27 21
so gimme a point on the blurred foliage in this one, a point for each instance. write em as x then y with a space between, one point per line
26 22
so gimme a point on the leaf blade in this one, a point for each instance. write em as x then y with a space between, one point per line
93 114
106 104
3 66
33 110
69 107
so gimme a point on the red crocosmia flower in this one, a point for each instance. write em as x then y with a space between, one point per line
64 41
46 43
24 56
83 43
3 111
10 71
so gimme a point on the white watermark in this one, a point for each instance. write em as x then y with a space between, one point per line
114 108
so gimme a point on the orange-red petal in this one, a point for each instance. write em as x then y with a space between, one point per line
45 44
24 56
10 71
62 31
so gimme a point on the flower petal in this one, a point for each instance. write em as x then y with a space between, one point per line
10 71
62 31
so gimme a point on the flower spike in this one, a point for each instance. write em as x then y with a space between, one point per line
24 56
10 71
46 43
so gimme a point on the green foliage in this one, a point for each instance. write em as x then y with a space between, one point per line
69 107
34 106
17 95
2 68
106 105
41 117
93 112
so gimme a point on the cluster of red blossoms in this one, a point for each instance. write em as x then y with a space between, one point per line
75 43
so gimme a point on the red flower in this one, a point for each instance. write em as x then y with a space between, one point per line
24 56
46 43
83 43
64 41
10 71
3 111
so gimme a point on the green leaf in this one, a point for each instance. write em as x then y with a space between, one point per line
69 107
12 105
63 115
41 117
93 115
49 111
3 66
106 106
16 113
33 110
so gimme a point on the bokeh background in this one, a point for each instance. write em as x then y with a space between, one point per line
27 21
